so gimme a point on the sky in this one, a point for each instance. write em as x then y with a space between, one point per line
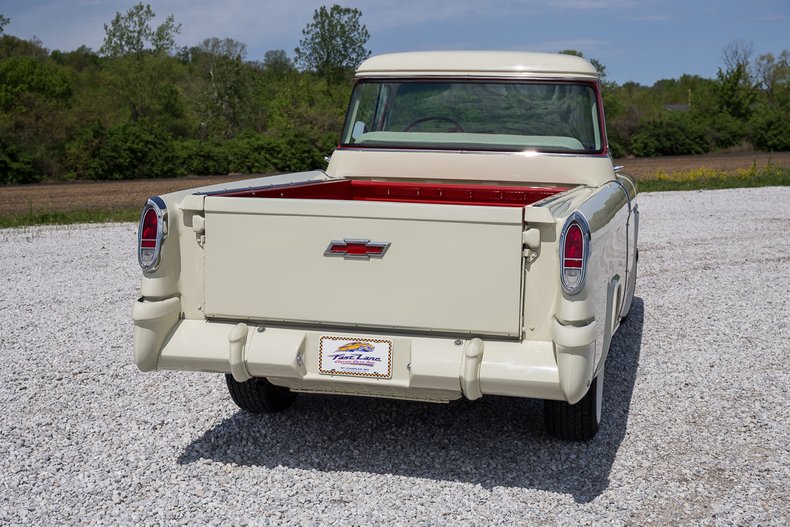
637 40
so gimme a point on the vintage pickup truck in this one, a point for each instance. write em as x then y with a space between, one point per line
469 236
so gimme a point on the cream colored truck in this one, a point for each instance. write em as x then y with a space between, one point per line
469 237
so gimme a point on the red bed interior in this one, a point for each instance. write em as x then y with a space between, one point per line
407 192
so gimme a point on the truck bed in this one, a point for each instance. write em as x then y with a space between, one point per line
404 192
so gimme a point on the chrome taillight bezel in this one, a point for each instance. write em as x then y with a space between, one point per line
156 204
577 218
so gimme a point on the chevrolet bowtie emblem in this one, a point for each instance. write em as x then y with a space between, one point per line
354 248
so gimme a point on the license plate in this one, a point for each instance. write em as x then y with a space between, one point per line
357 357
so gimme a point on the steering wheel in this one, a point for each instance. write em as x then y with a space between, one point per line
456 128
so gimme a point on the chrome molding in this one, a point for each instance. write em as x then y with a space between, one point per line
273 186
625 191
516 153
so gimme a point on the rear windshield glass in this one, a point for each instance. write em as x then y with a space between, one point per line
474 115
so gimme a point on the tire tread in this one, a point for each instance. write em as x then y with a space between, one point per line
572 422
258 395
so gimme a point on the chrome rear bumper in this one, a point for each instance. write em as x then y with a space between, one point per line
423 368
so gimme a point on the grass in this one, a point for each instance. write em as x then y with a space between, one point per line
660 180
711 179
69 217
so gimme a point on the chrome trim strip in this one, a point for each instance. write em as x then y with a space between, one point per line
579 219
364 330
522 153
273 186
491 75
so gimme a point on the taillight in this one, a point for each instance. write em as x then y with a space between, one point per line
151 234
574 250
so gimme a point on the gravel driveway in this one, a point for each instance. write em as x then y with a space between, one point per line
697 404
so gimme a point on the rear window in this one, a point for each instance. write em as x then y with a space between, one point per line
474 115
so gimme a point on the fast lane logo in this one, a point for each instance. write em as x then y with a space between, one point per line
362 347
353 353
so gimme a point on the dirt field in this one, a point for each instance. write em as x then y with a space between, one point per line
125 195
100 195
647 166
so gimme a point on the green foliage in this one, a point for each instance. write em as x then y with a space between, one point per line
135 110
334 42
251 153
21 76
11 46
136 149
692 114
146 87
16 166
277 63
734 93
223 99
78 60
35 97
723 131
675 135
771 130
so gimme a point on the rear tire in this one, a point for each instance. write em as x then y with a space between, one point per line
258 395
576 422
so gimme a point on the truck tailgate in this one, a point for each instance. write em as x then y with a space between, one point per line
448 268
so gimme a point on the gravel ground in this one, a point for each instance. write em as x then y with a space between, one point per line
696 407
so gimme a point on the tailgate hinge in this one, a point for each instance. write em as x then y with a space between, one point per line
531 243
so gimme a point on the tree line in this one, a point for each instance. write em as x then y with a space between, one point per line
141 107
747 106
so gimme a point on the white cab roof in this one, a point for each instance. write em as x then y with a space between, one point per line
478 63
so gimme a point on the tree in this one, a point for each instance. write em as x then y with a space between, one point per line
4 21
222 102
35 95
11 46
773 73
276 61
140 67
333 43
734 93
132 34
737 53
226 47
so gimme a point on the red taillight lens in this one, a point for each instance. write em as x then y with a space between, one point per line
573 253
148 229
574 246
152 231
